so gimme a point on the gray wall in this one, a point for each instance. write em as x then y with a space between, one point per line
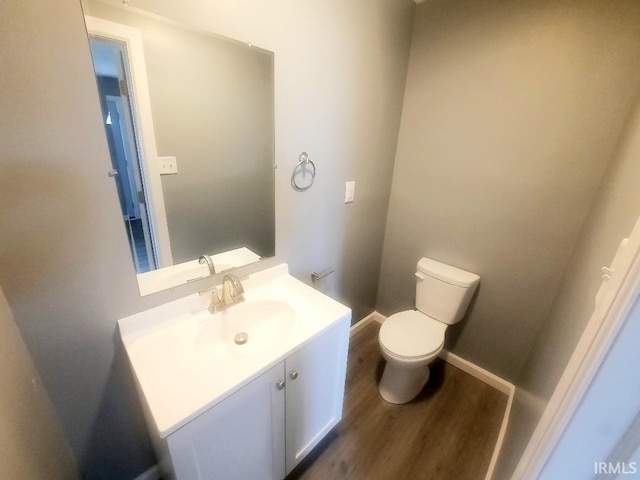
64 260
32 444
612 217
64 264
511 115
340 71
212 105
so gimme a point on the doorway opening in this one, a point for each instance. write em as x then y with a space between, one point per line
118 117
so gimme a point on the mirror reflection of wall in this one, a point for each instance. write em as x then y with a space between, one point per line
212 109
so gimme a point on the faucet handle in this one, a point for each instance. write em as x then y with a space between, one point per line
239 287
216 304
239 296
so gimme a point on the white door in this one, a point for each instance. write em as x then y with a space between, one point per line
603 365
241 438
315 390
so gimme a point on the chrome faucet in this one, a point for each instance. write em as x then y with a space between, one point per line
207 259
232 292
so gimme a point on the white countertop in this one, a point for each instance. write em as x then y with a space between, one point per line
169 277
182 370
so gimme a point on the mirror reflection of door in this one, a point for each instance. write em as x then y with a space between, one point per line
108 58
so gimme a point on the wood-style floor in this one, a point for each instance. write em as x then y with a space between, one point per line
447 433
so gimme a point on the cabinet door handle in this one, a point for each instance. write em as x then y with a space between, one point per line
293 374
280 385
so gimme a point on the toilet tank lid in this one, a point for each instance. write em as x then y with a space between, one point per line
447 273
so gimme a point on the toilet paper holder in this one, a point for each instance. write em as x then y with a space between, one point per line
315 276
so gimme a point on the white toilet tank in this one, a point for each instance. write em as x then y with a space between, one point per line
443 292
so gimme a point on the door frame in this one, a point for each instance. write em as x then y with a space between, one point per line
143 128
615 299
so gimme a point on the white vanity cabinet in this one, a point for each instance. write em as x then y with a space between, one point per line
315 391
264 429
241 437
221 409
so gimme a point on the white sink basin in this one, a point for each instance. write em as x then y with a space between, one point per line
185 359
265 323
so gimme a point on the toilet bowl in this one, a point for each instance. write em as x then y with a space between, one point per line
410 340
408 355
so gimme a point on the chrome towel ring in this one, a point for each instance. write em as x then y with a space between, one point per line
301 167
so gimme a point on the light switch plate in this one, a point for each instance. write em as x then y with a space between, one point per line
168 165
349 191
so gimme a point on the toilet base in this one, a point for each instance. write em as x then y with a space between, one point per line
401 384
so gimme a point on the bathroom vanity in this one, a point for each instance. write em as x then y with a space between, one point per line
218 409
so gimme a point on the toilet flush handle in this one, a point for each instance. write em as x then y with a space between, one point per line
421 275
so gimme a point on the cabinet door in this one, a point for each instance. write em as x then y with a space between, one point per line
241 438
315 390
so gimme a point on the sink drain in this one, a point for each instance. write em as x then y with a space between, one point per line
241 338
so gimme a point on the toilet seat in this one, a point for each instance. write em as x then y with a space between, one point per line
411 335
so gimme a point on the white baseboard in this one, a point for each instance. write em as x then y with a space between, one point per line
364 322
494 381
478 372
481 374
151 474
501 435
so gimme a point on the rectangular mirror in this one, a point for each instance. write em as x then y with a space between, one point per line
189 122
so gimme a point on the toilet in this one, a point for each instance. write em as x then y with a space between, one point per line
411 339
